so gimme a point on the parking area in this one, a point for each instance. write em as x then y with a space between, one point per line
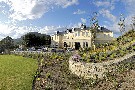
45 50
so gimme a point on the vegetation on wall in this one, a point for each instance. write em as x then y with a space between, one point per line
122 45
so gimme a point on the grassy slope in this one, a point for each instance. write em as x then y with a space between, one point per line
16 73
116 48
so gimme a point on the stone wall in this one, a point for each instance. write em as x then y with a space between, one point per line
94 70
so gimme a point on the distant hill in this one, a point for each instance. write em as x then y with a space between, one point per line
18 41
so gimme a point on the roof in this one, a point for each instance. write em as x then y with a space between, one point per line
103 29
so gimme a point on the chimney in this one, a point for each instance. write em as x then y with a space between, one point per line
73 29
83 26
57 32
67 31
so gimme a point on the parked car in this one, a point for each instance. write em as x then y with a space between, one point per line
31 49
60 51
70 50
39 50
18 49
45 49
53 50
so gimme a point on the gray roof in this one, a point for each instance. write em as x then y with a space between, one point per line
102 29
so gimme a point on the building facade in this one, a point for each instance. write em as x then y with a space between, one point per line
80 37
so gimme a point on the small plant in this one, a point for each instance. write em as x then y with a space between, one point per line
48 75
76 57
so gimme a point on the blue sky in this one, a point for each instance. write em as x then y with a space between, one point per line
18 17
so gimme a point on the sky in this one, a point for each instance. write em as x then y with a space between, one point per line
18 17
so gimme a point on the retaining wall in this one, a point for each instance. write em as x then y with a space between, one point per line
94 70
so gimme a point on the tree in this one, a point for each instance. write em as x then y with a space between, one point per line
29 40
36 39
133 23
121 24
6 44
94 27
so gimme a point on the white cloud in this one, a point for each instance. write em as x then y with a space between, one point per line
83 20
65 3
14 31
106 10
51 29
99 3
107 13
130 6
32 9
79 12
17 31
115 27
106 4
77 25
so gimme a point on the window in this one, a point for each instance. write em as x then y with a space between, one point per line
87 33
83 44
67 37
83 33
55 37
78 33
72 44
86 44
69 44
75 34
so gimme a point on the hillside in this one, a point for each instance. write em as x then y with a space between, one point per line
18 41
103 52
54 73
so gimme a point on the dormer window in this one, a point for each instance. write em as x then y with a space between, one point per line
67 31
57 32
99 28
73 29
83 26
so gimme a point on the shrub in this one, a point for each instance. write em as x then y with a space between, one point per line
76 57
48 75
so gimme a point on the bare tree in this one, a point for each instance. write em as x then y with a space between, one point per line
122 24
133 23
94 26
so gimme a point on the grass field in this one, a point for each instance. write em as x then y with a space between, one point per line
16 72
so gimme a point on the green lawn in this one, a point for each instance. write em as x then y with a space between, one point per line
16 72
